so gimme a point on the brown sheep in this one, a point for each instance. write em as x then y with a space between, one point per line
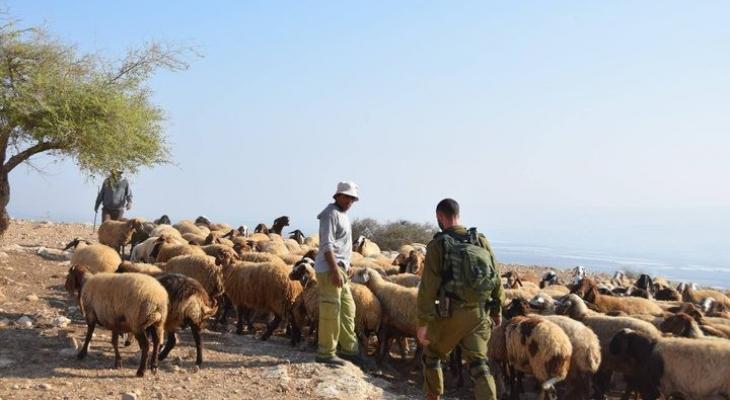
588 290
116 234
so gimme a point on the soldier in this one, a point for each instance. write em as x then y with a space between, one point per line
459 287
114 196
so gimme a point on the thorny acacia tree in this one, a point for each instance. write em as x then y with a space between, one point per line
96 112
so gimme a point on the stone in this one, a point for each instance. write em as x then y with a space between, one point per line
60 321
129 396
53 254
45 386
66 353
24 322
31 297
4 322
6 362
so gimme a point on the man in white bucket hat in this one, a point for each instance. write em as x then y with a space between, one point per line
336 306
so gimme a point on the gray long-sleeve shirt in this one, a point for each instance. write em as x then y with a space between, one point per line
114 197
335 235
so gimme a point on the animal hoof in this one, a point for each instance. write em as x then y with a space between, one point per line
81 355
154 370
140 374
118 365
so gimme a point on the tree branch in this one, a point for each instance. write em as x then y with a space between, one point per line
17 159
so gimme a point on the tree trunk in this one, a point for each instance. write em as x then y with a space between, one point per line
4 200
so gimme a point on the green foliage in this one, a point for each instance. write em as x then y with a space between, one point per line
81 106
392 235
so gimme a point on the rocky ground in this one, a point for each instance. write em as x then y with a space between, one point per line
41 328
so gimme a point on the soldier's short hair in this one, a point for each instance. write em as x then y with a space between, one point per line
448 207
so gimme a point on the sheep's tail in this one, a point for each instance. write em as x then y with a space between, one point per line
153 318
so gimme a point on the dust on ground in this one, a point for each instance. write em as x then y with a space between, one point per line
41 328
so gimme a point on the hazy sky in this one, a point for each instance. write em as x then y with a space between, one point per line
564 121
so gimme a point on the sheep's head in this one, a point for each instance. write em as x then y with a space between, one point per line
400 260
202 220
243 230
261 228
135 225
667 294
363 275
541 301
631 346
583 287
281 222
298 236
579 273
550 278
645 282
226 257
75 279
163 220
212 238
414 263
75 243
678 325
513 279
571 305
241 248
302 271
517 307
359 243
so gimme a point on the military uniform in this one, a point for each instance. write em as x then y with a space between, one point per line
468 324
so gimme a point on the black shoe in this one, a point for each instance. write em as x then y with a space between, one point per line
333 361
365 363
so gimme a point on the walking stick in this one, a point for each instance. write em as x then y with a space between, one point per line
96 213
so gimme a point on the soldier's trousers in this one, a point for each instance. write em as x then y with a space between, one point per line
470 328
336 316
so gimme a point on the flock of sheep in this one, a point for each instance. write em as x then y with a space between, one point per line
576 335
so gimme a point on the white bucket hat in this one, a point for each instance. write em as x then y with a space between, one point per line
348 188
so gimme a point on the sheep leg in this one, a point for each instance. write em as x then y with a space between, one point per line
117 356
155 333
198 345
271 326
224 311
239 324
144 346
128 340
601 384
89 332
383 340
169 345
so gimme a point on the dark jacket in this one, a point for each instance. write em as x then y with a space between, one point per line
114 196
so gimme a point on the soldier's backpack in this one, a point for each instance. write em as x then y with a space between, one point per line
468 272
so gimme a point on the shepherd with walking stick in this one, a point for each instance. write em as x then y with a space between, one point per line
115 196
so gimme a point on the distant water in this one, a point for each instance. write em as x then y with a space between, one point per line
702 272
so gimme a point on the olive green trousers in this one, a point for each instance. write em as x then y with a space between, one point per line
470 328
336 316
